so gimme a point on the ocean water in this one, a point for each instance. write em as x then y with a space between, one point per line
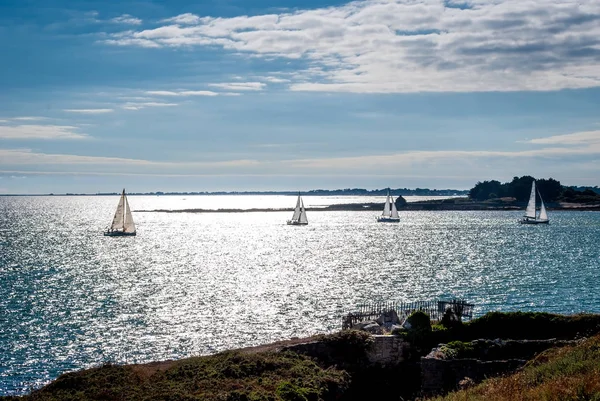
197 283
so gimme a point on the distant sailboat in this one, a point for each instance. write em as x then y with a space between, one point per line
299 217
390 213
530 216
122 224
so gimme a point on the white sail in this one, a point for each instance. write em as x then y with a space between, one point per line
128 224
543 214
303 219
530 211
394 211
119 219
296 215
386 208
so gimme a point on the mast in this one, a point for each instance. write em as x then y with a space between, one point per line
123 200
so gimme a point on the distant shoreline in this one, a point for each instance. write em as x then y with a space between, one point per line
324 192
370 207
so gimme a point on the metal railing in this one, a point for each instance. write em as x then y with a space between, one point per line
435 310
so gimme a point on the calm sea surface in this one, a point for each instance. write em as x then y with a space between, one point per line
191 284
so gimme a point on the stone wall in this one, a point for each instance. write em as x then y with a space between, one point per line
386 351
440 376
441 373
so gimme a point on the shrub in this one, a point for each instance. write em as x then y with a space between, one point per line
450 319
419 331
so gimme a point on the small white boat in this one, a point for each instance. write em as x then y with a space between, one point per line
122 224
299 217
390 213
530 216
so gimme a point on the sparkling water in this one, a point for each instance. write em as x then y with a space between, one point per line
197 283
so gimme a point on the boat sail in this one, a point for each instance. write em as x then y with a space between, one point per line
530 216
299 217
390 213
122 223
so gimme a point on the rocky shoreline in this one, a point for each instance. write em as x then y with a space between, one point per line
415 361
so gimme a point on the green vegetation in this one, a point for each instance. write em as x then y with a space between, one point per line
559 374
459 349
229 376
519 188
519 326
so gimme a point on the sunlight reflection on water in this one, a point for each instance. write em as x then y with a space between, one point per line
192 284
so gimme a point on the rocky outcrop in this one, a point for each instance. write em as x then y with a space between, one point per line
446 368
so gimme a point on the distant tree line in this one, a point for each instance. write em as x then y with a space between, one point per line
519 188
383 192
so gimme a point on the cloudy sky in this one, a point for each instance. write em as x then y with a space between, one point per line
215 95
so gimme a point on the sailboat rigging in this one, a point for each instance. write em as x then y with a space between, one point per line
299 217
530 216
122 223
390 213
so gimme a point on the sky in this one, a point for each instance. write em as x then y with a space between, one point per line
237 95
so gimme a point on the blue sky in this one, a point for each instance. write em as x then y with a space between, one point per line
296 95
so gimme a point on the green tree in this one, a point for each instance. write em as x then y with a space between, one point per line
483 190
549 188
520 187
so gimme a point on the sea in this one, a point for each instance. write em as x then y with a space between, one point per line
198 283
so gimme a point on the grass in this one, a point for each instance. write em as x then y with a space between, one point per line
558 374
229 376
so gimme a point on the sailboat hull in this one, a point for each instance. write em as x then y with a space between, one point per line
531 221
296 223
118 234
388 220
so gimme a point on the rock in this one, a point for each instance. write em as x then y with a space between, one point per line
466 383
388 318
362 325
374 329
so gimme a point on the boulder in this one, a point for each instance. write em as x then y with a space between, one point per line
373 328
362 325
388 319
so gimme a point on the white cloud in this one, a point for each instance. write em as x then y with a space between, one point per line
50 132
184 19
143 105
409 45
28 118
240 86
126 19
26 156
182 93
89 111
578 138
274 80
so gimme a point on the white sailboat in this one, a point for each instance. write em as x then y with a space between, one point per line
530 216
299 217
122 223
390 213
